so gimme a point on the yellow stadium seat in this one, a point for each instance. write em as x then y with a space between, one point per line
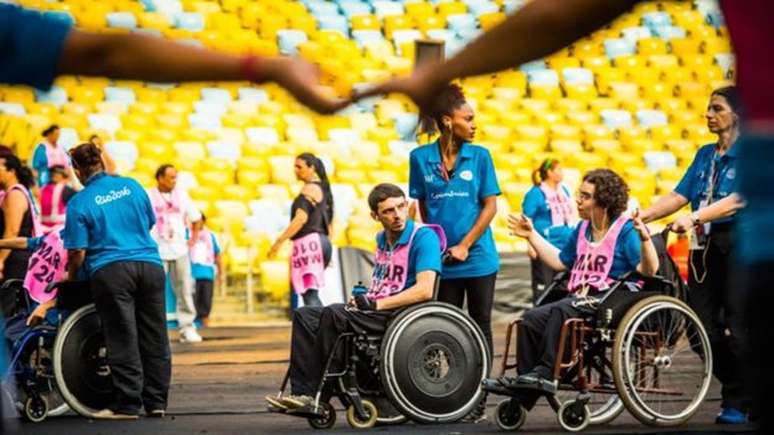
146 165
665 133
275 278
692 90
450 8
695 61
605 146
566 147
628 135
565 132
545 92
580 92
491 19
663 61
657 91
153 20
251 179
364 22
87 94
581 117
648 46
277 192
586 49
560 63
683 46
624 91
396 22
532 133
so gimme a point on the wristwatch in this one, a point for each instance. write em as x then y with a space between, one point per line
695 218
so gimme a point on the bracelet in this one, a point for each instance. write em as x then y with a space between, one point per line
250 68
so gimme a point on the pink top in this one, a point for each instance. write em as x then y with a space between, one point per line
594 261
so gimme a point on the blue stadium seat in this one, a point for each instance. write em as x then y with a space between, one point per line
119 95
654 20
614 119
12 109
253 95
533 65
363 37
288 40
212 108
480 7
334 22
669 32
350 8
218 95
121 20
636 33
512 6
578 76
461 22
658 160
103 121
55 95
619 47
725 61
648 118
204 121
406 125
224 150
192 21
543 77
383 8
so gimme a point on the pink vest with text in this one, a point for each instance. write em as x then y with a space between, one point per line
47 264
391 269
562 210
307 264
594 260
166 213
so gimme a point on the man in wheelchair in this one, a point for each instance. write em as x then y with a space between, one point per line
408 259
604 246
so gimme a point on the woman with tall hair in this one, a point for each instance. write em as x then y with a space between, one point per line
19 217
49 153
309 229
456 187
549 205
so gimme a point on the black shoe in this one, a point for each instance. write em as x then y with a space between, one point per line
156 413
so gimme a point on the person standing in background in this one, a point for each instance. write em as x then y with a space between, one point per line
205 258
174 213
549 206
309 229
456 187
19 217
49 154
54 197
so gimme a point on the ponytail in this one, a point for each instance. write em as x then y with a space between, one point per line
540 174
450 98
23 173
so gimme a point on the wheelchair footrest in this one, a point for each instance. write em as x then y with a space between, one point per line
509 386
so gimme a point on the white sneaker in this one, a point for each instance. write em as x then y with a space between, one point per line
189 335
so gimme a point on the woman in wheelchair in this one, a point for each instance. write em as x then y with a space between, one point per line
604 246
408 259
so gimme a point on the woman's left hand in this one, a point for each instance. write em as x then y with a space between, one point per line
37 315
273 251
640 226
459 252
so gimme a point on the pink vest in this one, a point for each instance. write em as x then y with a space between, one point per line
203 251
562 210
52 205
594 261
46 265
166 213
391 269
37 229
307 264
56 156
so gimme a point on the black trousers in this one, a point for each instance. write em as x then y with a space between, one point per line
757 281
480 295
203 297
129 297
315 331
538 339
542 275
719 306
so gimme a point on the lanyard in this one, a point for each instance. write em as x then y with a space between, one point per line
713 176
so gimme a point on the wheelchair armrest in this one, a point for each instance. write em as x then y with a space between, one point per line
11 283
556 289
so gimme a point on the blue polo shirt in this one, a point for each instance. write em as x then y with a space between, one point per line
535 207
456 204
30 46
111 219
424 254
627 253
695 182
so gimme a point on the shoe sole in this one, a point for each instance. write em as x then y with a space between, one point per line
273 401
293 404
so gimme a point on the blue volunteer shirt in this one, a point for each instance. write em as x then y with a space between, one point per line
205 272
535 207
30 46
696 180
111 219
424 254
456 204
625 258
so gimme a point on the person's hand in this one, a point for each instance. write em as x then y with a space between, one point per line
421 86
459 253
640 226
682 224
301 79
273 250
363 303
520 225
37 315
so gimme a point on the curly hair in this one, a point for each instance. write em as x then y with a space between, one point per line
610 191
449 99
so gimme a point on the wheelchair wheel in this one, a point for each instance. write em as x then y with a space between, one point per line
662 362
510 415
386 414
433 360
327 418
356 422
574 416
604 407
80 363
38 360
35 409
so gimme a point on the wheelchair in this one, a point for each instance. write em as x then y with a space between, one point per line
644 351
29 383
427 367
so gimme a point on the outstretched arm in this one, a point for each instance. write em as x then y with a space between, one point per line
142 57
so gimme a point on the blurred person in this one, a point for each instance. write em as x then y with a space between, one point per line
56 48
309 229
49 154
110 164
548 204
175 212
107 233
54 197
206 267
